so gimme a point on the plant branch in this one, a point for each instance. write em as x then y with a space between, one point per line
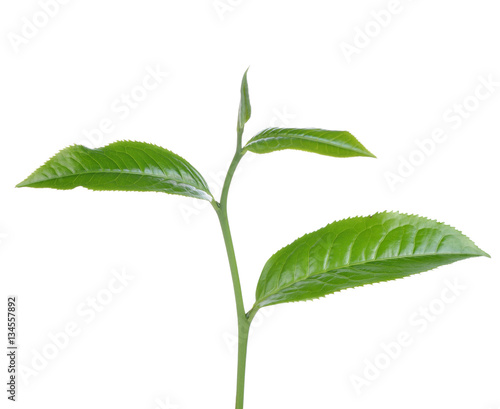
226 232
243 321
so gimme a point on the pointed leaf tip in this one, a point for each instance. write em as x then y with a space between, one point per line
245 109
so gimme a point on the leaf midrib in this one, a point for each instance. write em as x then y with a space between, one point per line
121 173
362 263
309 138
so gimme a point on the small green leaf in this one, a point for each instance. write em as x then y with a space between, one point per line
340 144
358 251
245 110
124 165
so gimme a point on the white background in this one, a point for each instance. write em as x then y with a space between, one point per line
166 340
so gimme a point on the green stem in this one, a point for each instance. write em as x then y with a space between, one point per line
243 332
243 321
240 308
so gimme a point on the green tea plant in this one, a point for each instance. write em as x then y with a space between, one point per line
344 254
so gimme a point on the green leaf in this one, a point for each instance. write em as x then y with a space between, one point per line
245 110
359 251
124 165
340 144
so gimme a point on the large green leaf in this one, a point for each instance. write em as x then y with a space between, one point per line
359 251
245 110
340 144
124 165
